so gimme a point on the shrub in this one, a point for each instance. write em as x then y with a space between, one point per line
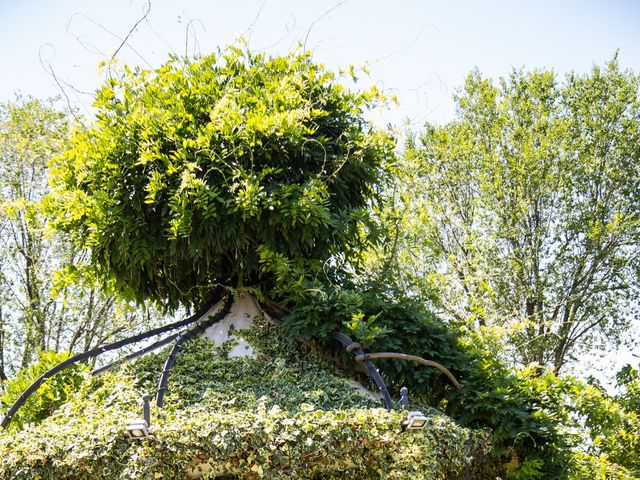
204 171
53 393
273 417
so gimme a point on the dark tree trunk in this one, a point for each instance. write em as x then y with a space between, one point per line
3 373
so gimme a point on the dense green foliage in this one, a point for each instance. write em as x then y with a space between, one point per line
543 427
203 173
51 395
600 435
281 415
491 396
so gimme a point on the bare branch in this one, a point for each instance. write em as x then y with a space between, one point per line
131 30
325 14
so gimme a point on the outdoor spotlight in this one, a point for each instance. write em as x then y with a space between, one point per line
415 421
138 429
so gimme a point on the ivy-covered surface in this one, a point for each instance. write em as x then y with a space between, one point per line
283 414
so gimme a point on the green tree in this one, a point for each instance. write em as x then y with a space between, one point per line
227 170
30 134
528 204
42 305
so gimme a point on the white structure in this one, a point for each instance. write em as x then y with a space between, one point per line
240 317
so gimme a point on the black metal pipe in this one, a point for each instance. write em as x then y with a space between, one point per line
146 412
6 421
131 356
185 337
353 347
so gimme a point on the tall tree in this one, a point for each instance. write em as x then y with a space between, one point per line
42 306
529 203
30 135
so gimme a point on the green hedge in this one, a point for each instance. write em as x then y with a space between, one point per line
259 444
280 415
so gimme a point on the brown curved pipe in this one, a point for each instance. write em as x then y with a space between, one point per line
413 358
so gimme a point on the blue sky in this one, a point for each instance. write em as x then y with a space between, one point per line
418 50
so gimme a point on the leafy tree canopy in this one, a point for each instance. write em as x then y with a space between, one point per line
196 172
528 204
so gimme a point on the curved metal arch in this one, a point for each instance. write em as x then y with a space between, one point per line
136 354
182 339
31 389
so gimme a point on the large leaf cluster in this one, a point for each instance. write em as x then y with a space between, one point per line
542 426
193 171
527 435
491 396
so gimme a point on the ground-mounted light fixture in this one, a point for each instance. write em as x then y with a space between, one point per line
139 428
415 421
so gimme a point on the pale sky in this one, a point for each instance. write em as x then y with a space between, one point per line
417 50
